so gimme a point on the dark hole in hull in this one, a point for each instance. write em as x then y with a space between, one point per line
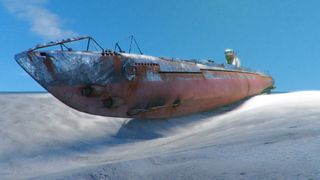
176 103
108 103
43 54
86 91
156 102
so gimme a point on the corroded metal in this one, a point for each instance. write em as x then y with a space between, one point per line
130 85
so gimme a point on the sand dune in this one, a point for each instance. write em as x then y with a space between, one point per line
265 137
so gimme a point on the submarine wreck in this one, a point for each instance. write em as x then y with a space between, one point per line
119 84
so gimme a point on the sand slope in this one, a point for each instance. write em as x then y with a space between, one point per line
266 137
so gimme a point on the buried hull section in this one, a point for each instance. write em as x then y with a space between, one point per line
125 85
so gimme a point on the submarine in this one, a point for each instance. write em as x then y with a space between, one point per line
116 83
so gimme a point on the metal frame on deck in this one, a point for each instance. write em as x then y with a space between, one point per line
63 43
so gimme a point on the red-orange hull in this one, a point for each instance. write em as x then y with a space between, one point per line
162 99
128 85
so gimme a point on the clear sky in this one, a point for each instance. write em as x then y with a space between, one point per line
278 37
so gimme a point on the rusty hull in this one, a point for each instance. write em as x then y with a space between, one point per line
130 85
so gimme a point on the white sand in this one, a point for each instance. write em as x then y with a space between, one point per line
267 137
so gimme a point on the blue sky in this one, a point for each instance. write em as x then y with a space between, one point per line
278 37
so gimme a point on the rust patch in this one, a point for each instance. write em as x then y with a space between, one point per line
117 64
50 67
30 56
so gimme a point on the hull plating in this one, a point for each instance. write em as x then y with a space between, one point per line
126 85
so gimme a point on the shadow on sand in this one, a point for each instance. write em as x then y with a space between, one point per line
132 131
